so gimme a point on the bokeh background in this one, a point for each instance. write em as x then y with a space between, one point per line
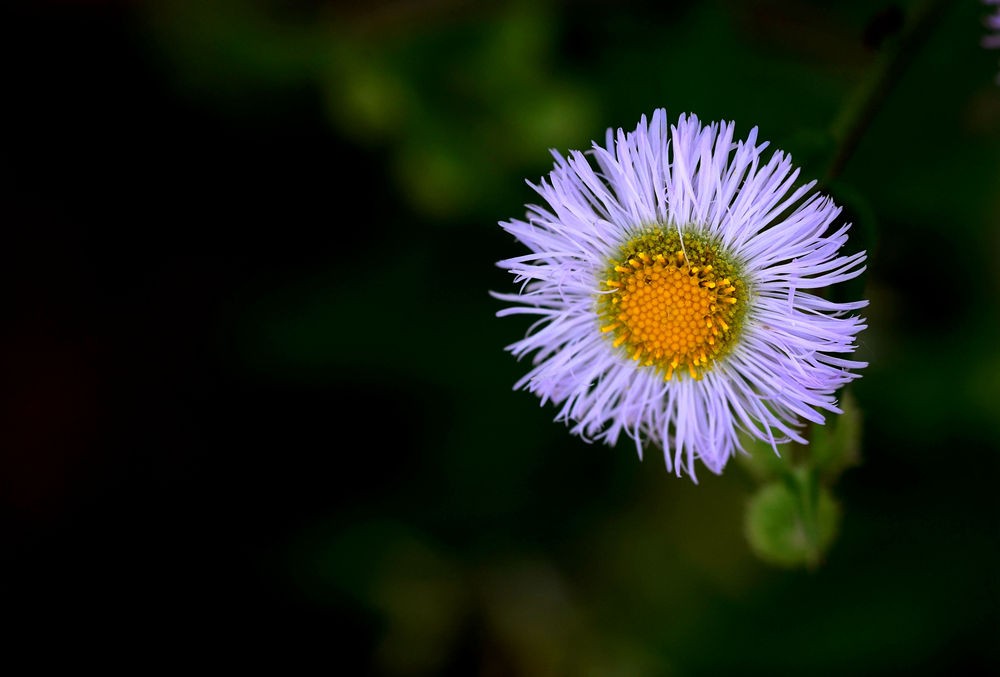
255 401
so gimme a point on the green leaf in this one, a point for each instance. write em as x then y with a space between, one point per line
792 524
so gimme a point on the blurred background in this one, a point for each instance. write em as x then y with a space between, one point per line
254 395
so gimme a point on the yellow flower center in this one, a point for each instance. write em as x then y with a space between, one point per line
674 303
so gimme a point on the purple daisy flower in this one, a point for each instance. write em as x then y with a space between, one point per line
673 284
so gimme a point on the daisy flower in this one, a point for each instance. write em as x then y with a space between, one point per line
673 273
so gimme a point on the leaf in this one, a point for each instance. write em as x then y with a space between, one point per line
787 527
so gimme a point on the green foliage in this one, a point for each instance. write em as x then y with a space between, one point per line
792 523
792 518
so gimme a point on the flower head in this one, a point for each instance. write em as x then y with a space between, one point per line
673 274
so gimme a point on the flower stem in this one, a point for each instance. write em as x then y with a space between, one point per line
809 497
857 114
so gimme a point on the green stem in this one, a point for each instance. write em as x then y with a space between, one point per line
802 481
809 498
854 119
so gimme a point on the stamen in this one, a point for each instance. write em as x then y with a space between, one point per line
669 316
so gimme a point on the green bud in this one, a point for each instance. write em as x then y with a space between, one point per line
792 523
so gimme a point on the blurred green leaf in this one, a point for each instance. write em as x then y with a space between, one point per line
792 524
364 97
418 593
228 47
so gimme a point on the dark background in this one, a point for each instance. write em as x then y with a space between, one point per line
254 399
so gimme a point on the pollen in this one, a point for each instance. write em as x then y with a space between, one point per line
672 301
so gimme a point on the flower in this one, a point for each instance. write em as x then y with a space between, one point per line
673 285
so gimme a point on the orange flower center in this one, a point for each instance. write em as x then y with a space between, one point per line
672 308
